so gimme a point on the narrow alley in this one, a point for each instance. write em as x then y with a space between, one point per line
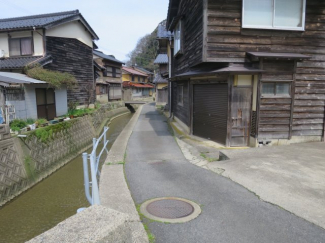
155 167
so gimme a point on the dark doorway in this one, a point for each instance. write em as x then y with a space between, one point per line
240 116
45 101
210 111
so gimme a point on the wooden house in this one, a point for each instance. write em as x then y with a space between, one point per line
247 72
145 71
108 76
136 81
164 38
58 41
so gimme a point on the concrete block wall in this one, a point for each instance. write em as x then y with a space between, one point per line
12 170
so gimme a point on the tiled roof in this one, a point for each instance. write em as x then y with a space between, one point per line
143 70
132 71
43 21
137 85
162 32
107 57
161 59
18 78
20 62
159 80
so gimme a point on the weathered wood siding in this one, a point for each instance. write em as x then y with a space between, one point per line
192 34
72 56
275 112
182 112
226 41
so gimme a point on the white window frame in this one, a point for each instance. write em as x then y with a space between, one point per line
276 27
275 95
178 42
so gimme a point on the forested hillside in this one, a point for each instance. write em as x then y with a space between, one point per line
145 52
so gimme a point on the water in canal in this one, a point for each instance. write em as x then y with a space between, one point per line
50 201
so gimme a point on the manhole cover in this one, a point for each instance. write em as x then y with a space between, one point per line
172 210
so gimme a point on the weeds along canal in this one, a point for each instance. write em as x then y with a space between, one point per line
52 200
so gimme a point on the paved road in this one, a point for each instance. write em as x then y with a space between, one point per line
155 167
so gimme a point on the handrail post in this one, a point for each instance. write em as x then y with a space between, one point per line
86 176
94 189
105 130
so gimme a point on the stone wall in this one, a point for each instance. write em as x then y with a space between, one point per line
13 176
26 161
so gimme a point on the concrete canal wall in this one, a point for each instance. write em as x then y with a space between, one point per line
26 161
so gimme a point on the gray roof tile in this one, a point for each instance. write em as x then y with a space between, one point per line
35 20
43 21
108 57
21 62
162 31
161 59
159 80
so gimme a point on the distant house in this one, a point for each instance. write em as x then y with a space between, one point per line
145 71
108 71
136 81
164 38
58 41
30 98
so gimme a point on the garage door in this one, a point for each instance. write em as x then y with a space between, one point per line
210 111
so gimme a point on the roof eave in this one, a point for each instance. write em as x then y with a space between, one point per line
71 19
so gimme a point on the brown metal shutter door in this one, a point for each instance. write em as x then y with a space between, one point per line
210 109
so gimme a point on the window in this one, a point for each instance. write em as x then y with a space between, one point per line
139 79
180 94
178 38
276 89
274 14
132 78
114 72
21 46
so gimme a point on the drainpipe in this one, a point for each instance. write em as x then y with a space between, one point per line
169 75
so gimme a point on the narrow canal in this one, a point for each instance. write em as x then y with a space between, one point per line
52 200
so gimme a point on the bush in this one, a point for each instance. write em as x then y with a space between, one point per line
45 134
54 78
41 121
30 121
17 124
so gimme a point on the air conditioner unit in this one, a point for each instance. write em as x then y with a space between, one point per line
2 53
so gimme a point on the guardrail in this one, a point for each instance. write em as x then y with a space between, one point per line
92 161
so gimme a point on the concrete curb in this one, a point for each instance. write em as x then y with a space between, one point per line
94 224
113 189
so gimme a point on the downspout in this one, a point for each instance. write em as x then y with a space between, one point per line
169 81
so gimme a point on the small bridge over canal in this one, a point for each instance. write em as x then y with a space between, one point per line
129 104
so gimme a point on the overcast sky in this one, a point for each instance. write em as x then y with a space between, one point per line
118 23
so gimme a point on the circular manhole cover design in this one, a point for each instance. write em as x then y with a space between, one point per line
170 208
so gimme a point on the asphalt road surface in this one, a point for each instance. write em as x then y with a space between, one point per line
155 167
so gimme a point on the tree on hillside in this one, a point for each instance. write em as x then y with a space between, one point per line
145 52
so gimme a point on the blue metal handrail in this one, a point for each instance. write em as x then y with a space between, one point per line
92 160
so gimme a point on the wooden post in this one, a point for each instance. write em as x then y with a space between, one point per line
293 91
258 100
